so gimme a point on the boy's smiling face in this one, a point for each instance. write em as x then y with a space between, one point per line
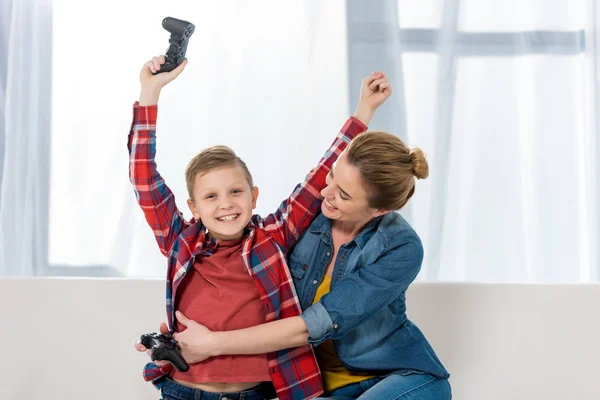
223 201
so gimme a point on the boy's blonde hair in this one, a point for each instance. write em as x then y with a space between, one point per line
209 159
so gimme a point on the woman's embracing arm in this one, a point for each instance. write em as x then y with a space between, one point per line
359 295
354 298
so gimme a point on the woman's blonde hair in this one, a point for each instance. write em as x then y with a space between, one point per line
388 168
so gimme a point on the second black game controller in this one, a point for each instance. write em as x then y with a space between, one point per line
180 31
165 348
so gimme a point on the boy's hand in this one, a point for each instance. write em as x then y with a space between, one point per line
148 79
140 347
374 91
152 84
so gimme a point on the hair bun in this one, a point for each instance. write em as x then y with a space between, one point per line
420 167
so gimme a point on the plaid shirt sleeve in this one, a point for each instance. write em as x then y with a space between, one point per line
155 374
153 195
296 212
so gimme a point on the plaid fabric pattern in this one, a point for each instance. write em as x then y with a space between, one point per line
294 372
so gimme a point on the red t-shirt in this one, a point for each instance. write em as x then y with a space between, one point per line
220 294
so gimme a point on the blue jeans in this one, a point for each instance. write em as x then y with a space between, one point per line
172 390
395 387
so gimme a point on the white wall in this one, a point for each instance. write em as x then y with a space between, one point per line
68 338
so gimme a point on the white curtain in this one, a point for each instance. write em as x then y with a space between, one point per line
505 101
502 96
25 72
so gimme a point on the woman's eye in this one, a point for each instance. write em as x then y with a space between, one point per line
342 197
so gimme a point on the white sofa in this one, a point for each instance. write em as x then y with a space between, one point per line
72 338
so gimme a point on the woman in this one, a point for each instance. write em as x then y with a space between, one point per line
351 270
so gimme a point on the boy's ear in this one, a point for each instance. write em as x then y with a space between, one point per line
192 208
254 196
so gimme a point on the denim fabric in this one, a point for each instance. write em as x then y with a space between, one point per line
365 311
395 387
172 390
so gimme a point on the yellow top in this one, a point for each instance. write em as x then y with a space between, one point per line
335 375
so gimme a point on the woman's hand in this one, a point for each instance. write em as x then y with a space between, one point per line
196 341
140 347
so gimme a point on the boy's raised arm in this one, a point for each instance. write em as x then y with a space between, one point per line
296 212
153 195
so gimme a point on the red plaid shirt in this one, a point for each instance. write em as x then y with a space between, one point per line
294 372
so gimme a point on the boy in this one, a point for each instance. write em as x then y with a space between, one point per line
226 267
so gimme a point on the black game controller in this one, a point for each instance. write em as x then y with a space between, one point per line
181 31
164 347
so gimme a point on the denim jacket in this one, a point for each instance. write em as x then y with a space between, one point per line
365 311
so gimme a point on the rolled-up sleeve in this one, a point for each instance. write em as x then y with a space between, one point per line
319 323
361 294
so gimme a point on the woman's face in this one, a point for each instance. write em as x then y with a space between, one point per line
345 198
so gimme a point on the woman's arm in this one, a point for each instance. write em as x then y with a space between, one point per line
199 343
354 298
359 295
265 338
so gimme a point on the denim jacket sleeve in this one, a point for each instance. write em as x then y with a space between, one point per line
360 294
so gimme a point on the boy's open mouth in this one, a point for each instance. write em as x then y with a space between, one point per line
228 218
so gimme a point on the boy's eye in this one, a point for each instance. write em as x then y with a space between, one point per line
236 191
210 196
